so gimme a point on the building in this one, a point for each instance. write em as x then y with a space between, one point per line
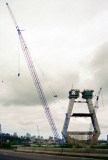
28 135
15 134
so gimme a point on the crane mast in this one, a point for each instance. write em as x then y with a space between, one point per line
35 78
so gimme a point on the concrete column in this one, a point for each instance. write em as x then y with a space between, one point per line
69 112
93 117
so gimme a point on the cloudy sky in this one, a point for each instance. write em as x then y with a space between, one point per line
68 42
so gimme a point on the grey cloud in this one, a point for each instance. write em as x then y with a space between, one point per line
23 93
96 65
99 67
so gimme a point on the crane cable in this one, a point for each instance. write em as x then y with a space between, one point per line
46 79
18 59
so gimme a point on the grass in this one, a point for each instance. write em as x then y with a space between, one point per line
99 147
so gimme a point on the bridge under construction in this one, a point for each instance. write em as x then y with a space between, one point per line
72 137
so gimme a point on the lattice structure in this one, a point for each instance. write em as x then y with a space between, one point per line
35 77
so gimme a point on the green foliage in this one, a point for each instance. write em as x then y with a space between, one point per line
5 145
39 144
14 140
78 146
66 146
14 147
61 146
100 147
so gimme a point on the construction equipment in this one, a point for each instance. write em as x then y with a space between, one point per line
35 77
97 100
55 95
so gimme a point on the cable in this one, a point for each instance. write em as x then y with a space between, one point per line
18 59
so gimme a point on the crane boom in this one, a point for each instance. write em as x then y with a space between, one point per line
97 99
35 77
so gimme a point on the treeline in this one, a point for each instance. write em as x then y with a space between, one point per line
13 140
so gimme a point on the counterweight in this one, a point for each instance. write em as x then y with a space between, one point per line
35 77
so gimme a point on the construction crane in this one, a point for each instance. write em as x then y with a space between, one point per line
35 77
97 99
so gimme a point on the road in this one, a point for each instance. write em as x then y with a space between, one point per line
11 155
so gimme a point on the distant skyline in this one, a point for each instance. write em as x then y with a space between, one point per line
68 42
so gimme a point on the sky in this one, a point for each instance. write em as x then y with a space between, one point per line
68 42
